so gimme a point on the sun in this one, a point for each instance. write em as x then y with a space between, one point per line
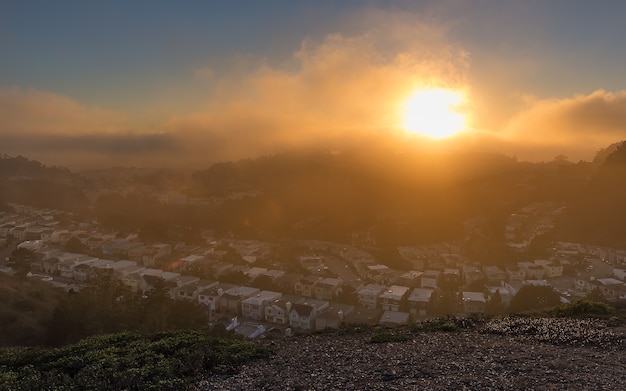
433 113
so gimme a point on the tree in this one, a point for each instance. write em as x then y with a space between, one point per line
21 260
534 297
495 306
74 245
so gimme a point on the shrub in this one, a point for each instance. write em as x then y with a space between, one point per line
583 309
126 361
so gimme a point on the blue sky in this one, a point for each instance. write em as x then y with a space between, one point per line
150 68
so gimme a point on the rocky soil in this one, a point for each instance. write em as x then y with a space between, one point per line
508 354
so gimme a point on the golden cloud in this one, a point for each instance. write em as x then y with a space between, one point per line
576 126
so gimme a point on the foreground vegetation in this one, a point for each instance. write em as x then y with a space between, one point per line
125 361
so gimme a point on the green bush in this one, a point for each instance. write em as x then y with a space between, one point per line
583 309
126 361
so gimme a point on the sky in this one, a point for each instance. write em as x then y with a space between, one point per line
190 83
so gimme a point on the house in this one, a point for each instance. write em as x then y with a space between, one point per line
619 273
515 273
134 280
254 307
411 279
254 272
393 298
250 330
494 273
451 277
230 300
211 296
68 261
551 269
474 302
418 302
89 270
287 283
430 279
274 274
471 274
302 315
369 295
156 254
362 315
328 288
190 291
394 318
334 316
278 311
381 274
306 286
611 288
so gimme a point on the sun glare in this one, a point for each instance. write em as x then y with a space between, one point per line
433 113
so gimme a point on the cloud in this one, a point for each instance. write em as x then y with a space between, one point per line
59 130
576 126
35 112
335 93
331 93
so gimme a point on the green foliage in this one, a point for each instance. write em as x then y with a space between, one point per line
583 309
385 337
532 297
126 361
440 324
107 306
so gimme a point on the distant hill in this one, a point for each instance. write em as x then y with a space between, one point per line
29 182
598 213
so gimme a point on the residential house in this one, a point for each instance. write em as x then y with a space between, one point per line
328 288
451 277
551 269
68 261
411 279
254 307
472 274
230 300
494 273
619 273
380 274
334 316
362 315
394 318
211 297
278 311
430 279
474 302
394 298
287 282
302 315
369 295
89 270
191 291
515 273
156 254
254 272
418 302
306 286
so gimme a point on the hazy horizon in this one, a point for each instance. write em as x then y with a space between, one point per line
163 85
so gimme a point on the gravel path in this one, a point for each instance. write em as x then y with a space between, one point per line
504 355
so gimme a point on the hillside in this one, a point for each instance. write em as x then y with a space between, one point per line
24 306
522 354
